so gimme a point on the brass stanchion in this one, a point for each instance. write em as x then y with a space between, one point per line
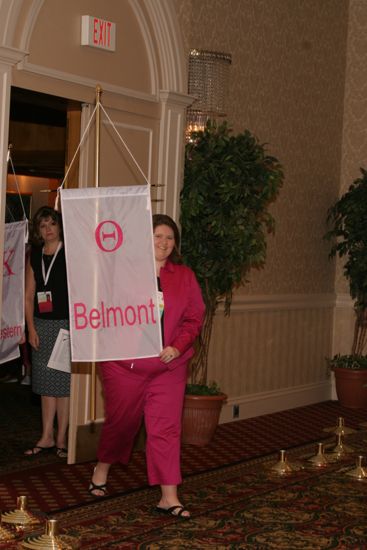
16 523
283 466
51 540
20 517
319 460
340 449
358 472
340 428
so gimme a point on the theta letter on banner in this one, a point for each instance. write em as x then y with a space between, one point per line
111 273
12 311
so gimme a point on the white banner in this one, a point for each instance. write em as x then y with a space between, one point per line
111 273
12 311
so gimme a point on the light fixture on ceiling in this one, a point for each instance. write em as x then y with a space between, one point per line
208 84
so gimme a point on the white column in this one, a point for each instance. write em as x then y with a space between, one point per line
171 151
8 58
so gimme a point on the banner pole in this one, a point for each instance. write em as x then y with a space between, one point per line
98 131
96 184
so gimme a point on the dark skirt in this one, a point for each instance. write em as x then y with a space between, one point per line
46 381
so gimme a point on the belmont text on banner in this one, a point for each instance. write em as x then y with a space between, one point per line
12 310
111 273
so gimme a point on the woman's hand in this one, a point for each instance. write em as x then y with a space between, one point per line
33 338
168 354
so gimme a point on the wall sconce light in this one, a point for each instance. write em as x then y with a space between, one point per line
208 84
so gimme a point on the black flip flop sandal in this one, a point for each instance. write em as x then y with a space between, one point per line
34 452
61 452
94 487
175 511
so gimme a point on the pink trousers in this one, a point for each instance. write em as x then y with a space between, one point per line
146 388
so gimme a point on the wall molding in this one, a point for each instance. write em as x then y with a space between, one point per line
11 56
30 21
344 301
276 302
278 400
86 82
169 44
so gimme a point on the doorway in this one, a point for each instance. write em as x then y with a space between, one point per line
39 144
43 133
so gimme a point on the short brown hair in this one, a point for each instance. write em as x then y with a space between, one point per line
163 219
43 213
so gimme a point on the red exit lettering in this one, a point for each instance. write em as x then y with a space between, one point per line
102 32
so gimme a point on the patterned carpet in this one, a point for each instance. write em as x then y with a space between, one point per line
20 427
240 506
51 485
235 502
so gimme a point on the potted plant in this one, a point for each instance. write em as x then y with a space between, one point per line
229 182
347 218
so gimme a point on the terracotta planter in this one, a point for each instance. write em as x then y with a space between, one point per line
351 387
200 418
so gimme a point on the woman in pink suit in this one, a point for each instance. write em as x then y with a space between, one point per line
154 387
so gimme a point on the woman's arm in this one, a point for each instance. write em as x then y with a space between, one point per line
30 290
192 318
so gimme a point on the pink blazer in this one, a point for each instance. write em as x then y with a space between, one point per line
183 310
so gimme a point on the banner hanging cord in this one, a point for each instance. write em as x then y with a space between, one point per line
99 104
9 212
10 160
125 145
57 200
79 146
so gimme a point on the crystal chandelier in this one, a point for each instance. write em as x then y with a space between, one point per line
208 84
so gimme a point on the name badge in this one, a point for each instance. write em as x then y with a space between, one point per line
160 303
44 300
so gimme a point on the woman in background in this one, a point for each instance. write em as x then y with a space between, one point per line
154 387
46 312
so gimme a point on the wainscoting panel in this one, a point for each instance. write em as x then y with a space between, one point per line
271 351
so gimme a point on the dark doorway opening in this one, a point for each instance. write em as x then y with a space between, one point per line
37 133
38 139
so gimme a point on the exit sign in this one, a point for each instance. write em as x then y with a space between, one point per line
98 33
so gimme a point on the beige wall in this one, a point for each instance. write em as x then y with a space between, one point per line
287 86
58 26
354 148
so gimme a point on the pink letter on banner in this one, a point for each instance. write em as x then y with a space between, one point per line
12 311
111 273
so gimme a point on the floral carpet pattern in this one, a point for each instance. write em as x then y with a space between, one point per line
235 500
246 505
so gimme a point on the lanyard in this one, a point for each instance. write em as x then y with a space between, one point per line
47 275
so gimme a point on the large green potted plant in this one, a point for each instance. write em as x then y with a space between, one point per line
348 231
229 183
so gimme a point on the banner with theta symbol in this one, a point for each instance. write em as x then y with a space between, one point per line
111 273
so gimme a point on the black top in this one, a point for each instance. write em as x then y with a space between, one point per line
57 283
162 323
